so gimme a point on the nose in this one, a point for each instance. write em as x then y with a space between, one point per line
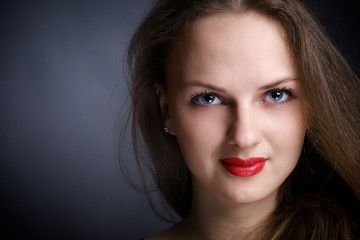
244 128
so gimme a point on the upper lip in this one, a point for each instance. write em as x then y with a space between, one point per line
243 162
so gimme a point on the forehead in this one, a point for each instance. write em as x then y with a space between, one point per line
249 22
229 29
244 45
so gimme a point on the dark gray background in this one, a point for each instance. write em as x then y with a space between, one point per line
60 92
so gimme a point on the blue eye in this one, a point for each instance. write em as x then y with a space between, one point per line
277 96
207 99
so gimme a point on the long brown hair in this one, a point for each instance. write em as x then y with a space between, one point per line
320 199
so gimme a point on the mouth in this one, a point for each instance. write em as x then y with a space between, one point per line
243 168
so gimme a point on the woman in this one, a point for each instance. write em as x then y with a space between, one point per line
251 120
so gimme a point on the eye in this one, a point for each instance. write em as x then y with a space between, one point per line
207 99
277 96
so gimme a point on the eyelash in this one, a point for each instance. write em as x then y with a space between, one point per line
286 90
195 95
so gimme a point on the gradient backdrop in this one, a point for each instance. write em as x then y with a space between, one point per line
60 95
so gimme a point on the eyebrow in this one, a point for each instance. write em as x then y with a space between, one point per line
277 83
218 89
204 85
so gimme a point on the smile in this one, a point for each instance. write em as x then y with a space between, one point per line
243 168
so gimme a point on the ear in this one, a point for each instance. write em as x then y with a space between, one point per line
163 101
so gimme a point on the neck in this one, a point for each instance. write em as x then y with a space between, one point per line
214 218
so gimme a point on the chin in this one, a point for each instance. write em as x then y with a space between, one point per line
251 195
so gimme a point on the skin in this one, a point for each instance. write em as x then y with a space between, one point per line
240 60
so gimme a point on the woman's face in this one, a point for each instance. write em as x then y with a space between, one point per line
232 102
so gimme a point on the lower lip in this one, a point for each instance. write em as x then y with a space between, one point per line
243 168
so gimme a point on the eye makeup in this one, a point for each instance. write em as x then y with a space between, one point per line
203 96
279 95
273 96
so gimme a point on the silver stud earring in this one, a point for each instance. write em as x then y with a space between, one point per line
166 129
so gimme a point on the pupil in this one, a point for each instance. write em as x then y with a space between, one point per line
276 95
208 98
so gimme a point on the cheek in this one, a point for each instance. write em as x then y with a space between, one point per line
287 134
199 131
286 120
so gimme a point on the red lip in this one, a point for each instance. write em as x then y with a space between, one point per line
243 168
